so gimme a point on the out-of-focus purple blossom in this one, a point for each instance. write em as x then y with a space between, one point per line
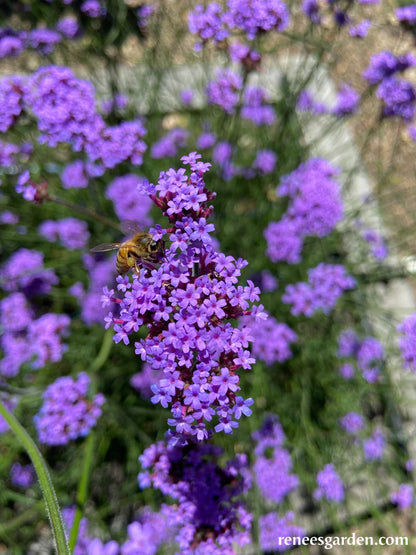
63 105
15 313
268 282
24 270
311 9
147 533
87 545
377 243
67 413
187 95
255 17
326 284
74 175
44 40
273 463
271 340
242 53
92 8
8 218
398 98
68 26
265 161
44 338
385 64
276 533
409 465
306 103
255 107
315 208
12 91
404 497
330 485
170 144
8 154
222 155
100 273
25 339
346 102
206 140
407 343
22 476
352 422
273 477
283 241
348 344
270 434
129 202
111 146
224 91
346 371
407 15
71 232
143 381
370 356
208 514
12 42
374 446
187 304
360 30
143 14
208 23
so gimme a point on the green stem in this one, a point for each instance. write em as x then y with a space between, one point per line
96 364
45 481
85 211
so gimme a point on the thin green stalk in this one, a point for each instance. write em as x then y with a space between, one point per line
85 211
82 493
45 481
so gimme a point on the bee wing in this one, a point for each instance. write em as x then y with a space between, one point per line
106 247
129 227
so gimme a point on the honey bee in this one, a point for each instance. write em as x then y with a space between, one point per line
140 249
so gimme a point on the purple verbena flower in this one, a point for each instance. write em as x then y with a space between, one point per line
67 413
330 485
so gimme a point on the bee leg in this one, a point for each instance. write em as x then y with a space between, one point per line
137 269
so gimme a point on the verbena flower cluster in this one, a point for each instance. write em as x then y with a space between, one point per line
70 232
273 465
326 284
346 102
187 304
22 476
129 204
100 272
271 339
367 354
330 485
169 144
65 112
67 413
29 339
398 95
253 17
207 510
315 207
276 532
407 342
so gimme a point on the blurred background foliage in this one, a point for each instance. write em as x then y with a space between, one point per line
306 391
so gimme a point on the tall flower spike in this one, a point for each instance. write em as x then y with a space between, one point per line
187 305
